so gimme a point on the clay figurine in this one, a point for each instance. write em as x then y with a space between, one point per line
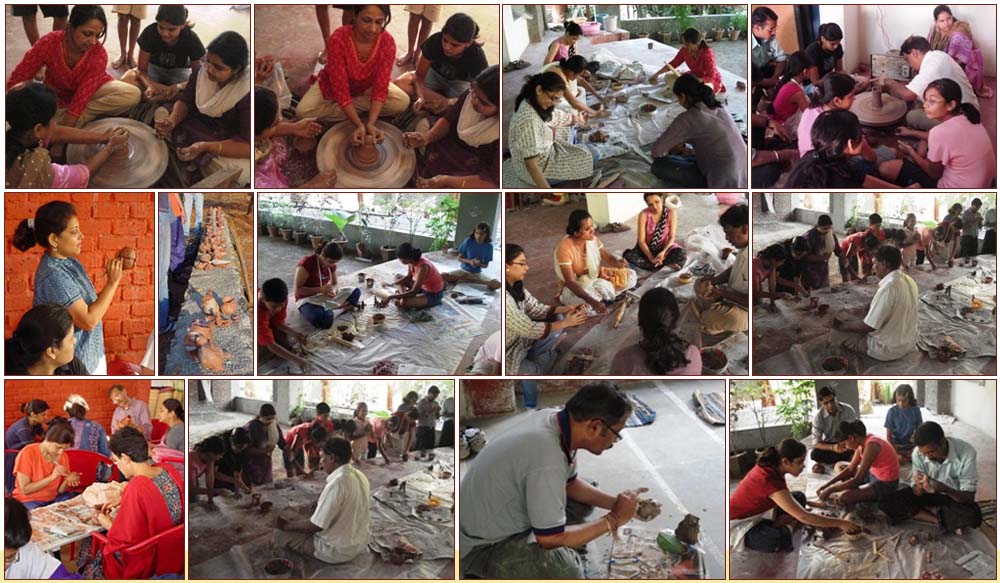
687 531
128 256
648 509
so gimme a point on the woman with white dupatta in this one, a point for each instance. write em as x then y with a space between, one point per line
462 149
211 121
587 272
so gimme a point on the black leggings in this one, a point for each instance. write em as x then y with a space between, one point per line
636 257
767 537
826 456
954 515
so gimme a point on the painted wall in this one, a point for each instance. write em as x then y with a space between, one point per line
895 23
109 221
54 392
787 35
515 35
975 403
474 209
614 207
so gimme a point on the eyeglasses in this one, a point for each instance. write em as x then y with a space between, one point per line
521 263
618 436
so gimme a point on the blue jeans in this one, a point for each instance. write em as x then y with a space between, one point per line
167 76
679 171
317 315
197 200
59 498
433 298
165 222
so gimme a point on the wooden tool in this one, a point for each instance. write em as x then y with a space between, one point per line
630 296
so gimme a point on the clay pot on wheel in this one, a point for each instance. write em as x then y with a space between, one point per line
128 256
834 365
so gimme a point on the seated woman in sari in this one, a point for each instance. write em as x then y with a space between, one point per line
212 116
955 38
657 232
578 262
462 149
265 436
151 503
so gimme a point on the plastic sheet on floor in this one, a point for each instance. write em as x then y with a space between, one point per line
594 353
634 554
435 346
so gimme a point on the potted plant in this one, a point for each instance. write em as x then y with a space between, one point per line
682 17
281 214
340 220
300 235
441 222
739 22
751 396
393 214
795 404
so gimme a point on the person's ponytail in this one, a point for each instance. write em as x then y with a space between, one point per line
696 91
971 113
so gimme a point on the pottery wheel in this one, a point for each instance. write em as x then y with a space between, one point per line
870 114
141 168
393 167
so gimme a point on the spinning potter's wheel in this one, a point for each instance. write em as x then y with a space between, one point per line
140 166
386 165
877 109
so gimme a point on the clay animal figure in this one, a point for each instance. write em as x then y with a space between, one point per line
229 306
208 304
687 531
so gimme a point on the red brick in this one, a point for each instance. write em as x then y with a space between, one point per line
138 345
144 309
132 328
54 392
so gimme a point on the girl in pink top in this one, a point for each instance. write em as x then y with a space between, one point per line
423 285
956 153
656 246
660 351
790 98
564 47
837 93
871 454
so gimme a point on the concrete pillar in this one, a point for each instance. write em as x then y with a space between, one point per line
840 210
282 399
474 208
937 396
537 24
847 391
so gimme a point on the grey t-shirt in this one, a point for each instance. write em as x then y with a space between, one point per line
825 425
175 437
516 484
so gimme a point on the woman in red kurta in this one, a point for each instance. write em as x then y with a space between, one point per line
152 503
699 58
75 69
357 75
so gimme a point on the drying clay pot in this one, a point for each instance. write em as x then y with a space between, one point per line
647 109
685 278
208 304
278 569
987 280
939 287
367 154
621 98
229 306
128 256
347 337
834 365
713 361
204 257
370 283
212 357
648 509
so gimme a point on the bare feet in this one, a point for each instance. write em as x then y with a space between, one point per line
119 62
404 60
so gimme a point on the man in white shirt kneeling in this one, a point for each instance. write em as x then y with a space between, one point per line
337 531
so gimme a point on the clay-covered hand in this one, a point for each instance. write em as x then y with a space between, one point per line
414 139
432 182
192 151
599 306
726 252
601 113
58 471
418 105
118 138
263 68
72 479
575 318
850 527
114 270
307 128
164 127
625 506
654 79
358 135
374 132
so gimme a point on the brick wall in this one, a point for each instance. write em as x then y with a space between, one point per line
109 221
54 392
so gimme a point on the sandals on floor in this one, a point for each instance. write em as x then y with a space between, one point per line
515 65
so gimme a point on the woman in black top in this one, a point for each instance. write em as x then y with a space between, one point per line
43 344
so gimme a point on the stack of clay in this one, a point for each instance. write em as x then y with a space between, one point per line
212 250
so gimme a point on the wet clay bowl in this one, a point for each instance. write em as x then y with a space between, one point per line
617 86
378 320
834 365
713 361
647 109
685 278
278 569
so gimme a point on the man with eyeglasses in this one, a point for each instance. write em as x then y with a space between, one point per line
826 449
515 492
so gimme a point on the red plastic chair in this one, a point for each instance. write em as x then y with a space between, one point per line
159 430
162 554
85 463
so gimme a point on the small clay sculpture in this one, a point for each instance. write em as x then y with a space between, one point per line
128 256
688 529
648 509
229 306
